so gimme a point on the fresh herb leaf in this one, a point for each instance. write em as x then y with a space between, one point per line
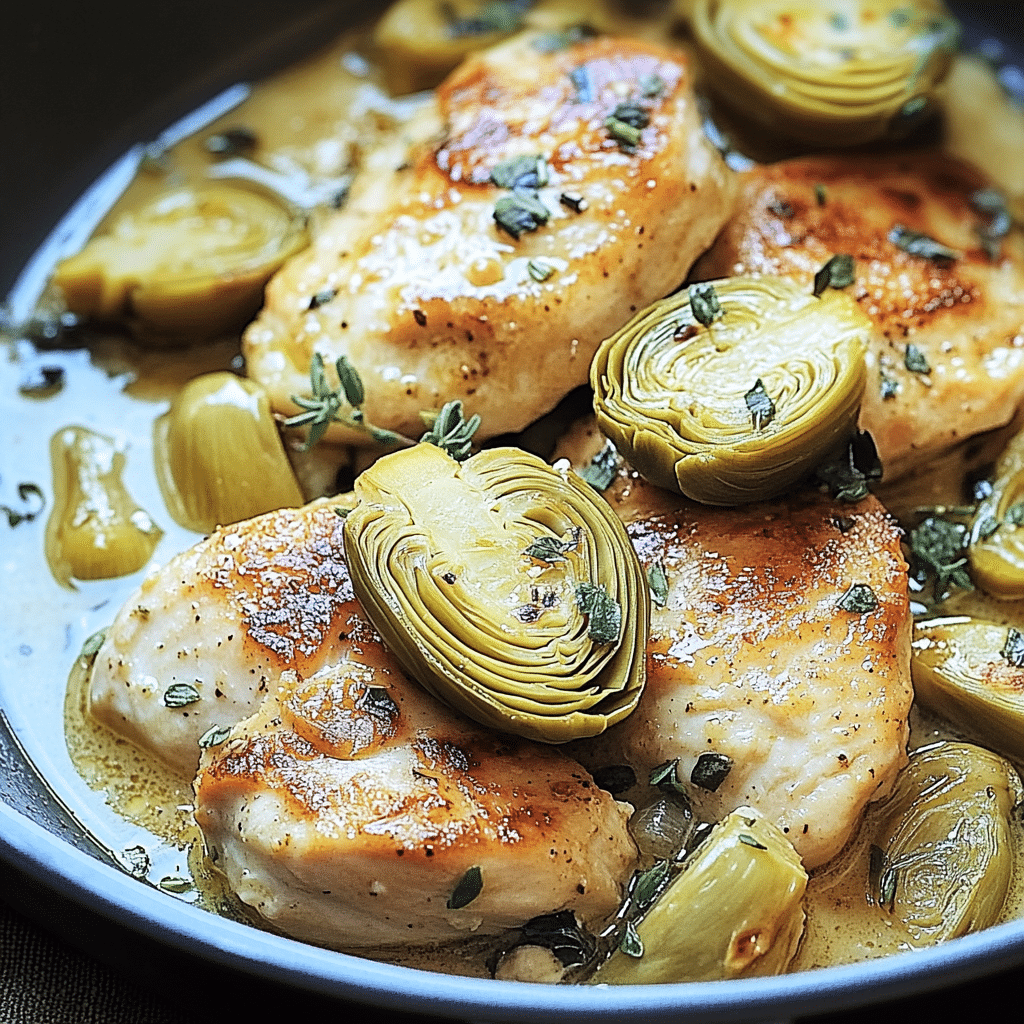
624 133
858 599
527 172
550 549
601 469
749 840
351 382
1013 649
322 297
631 943
838 272
666 777
657 581
180 695
214 736
340 511
938 548
1015 515
704 304
176 884
539 270
615 778
520 212
603 613
914 243
467 888
552 42
452 432
820 195
710 771
915 360
760 406
991 203
848 477
647 885
890 387
505 16
652 85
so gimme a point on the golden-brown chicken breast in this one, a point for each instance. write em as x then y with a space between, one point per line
781 649
562 188
935 272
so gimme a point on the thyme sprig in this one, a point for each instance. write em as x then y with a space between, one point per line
452 432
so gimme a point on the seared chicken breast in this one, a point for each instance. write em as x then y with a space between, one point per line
453 274
782 648
936 273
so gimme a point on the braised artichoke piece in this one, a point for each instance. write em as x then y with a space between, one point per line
188 266
996 551
827 74
96 530
508 588
972 673
734 911
734 391
219 456
945 843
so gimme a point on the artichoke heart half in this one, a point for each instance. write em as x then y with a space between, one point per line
508 588
188 266
735 910
972 673
996 551
946 842
740 409
839 73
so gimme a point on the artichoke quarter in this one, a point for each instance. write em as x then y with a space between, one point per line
735 910
996 550
506 587
827 73
972 672
945 842
736 407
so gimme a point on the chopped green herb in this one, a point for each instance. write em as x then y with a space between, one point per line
214 736
890 387
1015 515
552 42
602 468
647 885
760 406
914 243
468 887
985 527
624 133
848 477
504 16
539 270
603 613
749 840
452 432
858 599
991 203
652 85
838 272
915 360
820 195
340 511
551 549
322 297
938 548
573 201
180 695
615 778
666 777
520 212
529 172
631 943
657 580
581 80
710 771
1013 649
704 304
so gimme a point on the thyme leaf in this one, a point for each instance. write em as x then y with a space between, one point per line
760 406
602 611
939 549
657 580
520 212
529 172
631 944
180 695
666 777
539 270
601 469
915 360
467 888
914 243
452 432
710 771
838 272
704 304
1013 649
749 840
859 598
848 477
214 736
550 549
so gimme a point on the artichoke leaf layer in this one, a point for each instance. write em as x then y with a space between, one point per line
440 554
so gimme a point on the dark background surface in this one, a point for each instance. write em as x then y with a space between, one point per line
78 84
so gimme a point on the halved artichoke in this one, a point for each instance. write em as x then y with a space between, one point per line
996 550
972 672
218 454
96 530
508 588
831 73
735 910
945 842
188 266
741 408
